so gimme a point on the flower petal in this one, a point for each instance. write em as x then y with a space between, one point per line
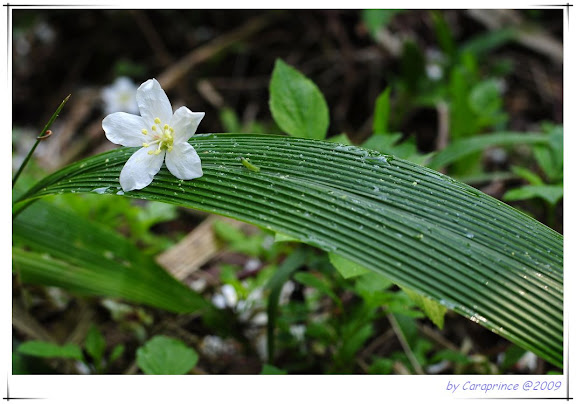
185 123
153 102
183 162
140 169
125 129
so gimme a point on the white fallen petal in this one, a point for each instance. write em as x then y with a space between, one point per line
183 162
153 102
124 129
140 169
120 96
185 123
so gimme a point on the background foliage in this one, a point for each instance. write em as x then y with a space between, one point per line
408 83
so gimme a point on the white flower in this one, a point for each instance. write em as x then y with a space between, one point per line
120 96
160 133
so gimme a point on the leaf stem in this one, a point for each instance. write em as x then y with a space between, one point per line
43 135
405 345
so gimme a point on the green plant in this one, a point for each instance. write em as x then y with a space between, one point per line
445 243
94 346
166 356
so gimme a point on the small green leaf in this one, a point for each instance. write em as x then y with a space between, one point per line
341 138
381 366
236 239
443 34
371 283
297 105
382 112
166 356
382 142
272 370
378 19
528 175
433 310
345 267
313 281
452 356
229 120
459 149
280 237
45 349
551 156
550 193
485 97
116 352
95 344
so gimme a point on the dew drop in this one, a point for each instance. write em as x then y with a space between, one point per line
100 190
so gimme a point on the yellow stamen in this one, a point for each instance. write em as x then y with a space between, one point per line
164 137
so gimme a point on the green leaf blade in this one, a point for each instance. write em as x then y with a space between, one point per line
296 103
45 349
418 228
88 258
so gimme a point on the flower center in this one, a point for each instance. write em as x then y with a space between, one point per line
162 135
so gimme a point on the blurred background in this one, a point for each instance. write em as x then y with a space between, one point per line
451 74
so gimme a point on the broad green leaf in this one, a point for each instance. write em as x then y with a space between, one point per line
550 193
418 228
95 343
166 356
297 105
433 310
346 268
58 248
465 147
49 350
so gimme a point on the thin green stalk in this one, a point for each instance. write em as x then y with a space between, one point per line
292 263
40 137
405 345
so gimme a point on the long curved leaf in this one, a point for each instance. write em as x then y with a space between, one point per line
419 228
465 147
58 248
